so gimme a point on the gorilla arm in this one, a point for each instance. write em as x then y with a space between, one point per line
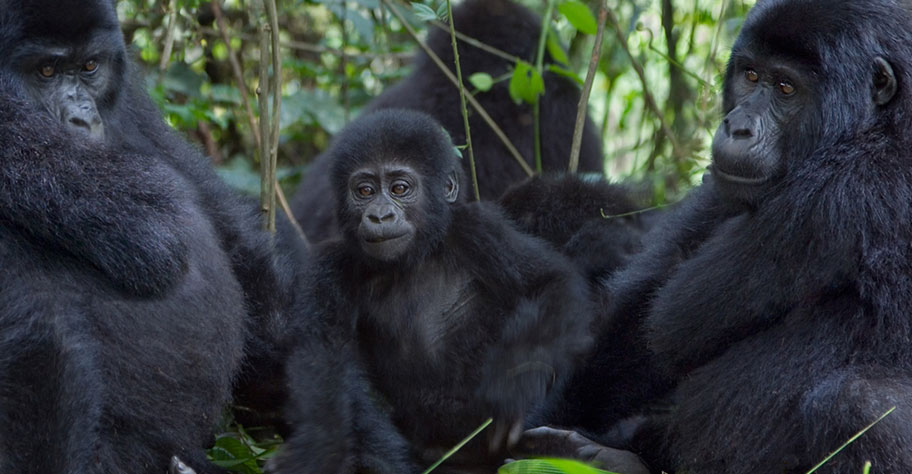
95 204
549 324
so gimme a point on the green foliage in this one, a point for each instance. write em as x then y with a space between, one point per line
482 81
323 89
579 15
424 12
555 49
549 466
238 451
526 84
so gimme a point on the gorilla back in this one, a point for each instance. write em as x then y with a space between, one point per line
121 320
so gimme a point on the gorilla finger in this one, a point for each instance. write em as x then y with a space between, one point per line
178 467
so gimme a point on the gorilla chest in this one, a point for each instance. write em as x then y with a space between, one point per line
422 317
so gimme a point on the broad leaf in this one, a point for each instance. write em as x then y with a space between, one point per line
526 84
580 16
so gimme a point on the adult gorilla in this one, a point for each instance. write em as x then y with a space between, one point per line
780 297
127 265
509 27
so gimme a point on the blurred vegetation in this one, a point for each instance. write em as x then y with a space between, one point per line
202 62
339 54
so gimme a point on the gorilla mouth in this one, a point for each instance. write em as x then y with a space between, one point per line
735 178
379 239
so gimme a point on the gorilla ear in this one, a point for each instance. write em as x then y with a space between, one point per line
452 187
884 81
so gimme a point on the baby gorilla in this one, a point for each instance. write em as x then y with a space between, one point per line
455 315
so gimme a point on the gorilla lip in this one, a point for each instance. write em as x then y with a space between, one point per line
734 178
379 239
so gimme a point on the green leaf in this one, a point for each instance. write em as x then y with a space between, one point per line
423 12
526 84
555 49
580 16
482 81
562 71
230 453
548 466
443 11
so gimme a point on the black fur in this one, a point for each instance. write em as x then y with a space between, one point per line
509 27
783 313
130 270
597 224
476 320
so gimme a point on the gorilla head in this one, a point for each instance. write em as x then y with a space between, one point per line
69 56
796 83
396 174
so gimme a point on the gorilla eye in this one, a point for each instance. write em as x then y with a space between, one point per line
46 71
751 75
90 66
365 191
399 189
786 88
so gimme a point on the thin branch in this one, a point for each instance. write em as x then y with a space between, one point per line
169 36
251 120
587 89
539 66
647 94
462 103
276 89
449 74
851 440
343 62
267 182
318 49
478 44
236 69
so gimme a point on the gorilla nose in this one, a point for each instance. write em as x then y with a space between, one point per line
384 215
740 127
84 120
91 126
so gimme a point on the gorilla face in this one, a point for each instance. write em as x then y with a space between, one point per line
382 194
781 97
70 72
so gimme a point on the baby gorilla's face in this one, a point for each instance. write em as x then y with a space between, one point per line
382 194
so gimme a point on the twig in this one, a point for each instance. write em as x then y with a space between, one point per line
169 36
343 62
587 89
647 94
276 90
251 120
539 63
851 440
478 44
318 49
461 443
267 182
449 74
236 69
462 103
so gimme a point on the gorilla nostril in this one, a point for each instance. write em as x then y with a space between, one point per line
377 218
743 132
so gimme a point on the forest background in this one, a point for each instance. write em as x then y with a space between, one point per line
655 97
